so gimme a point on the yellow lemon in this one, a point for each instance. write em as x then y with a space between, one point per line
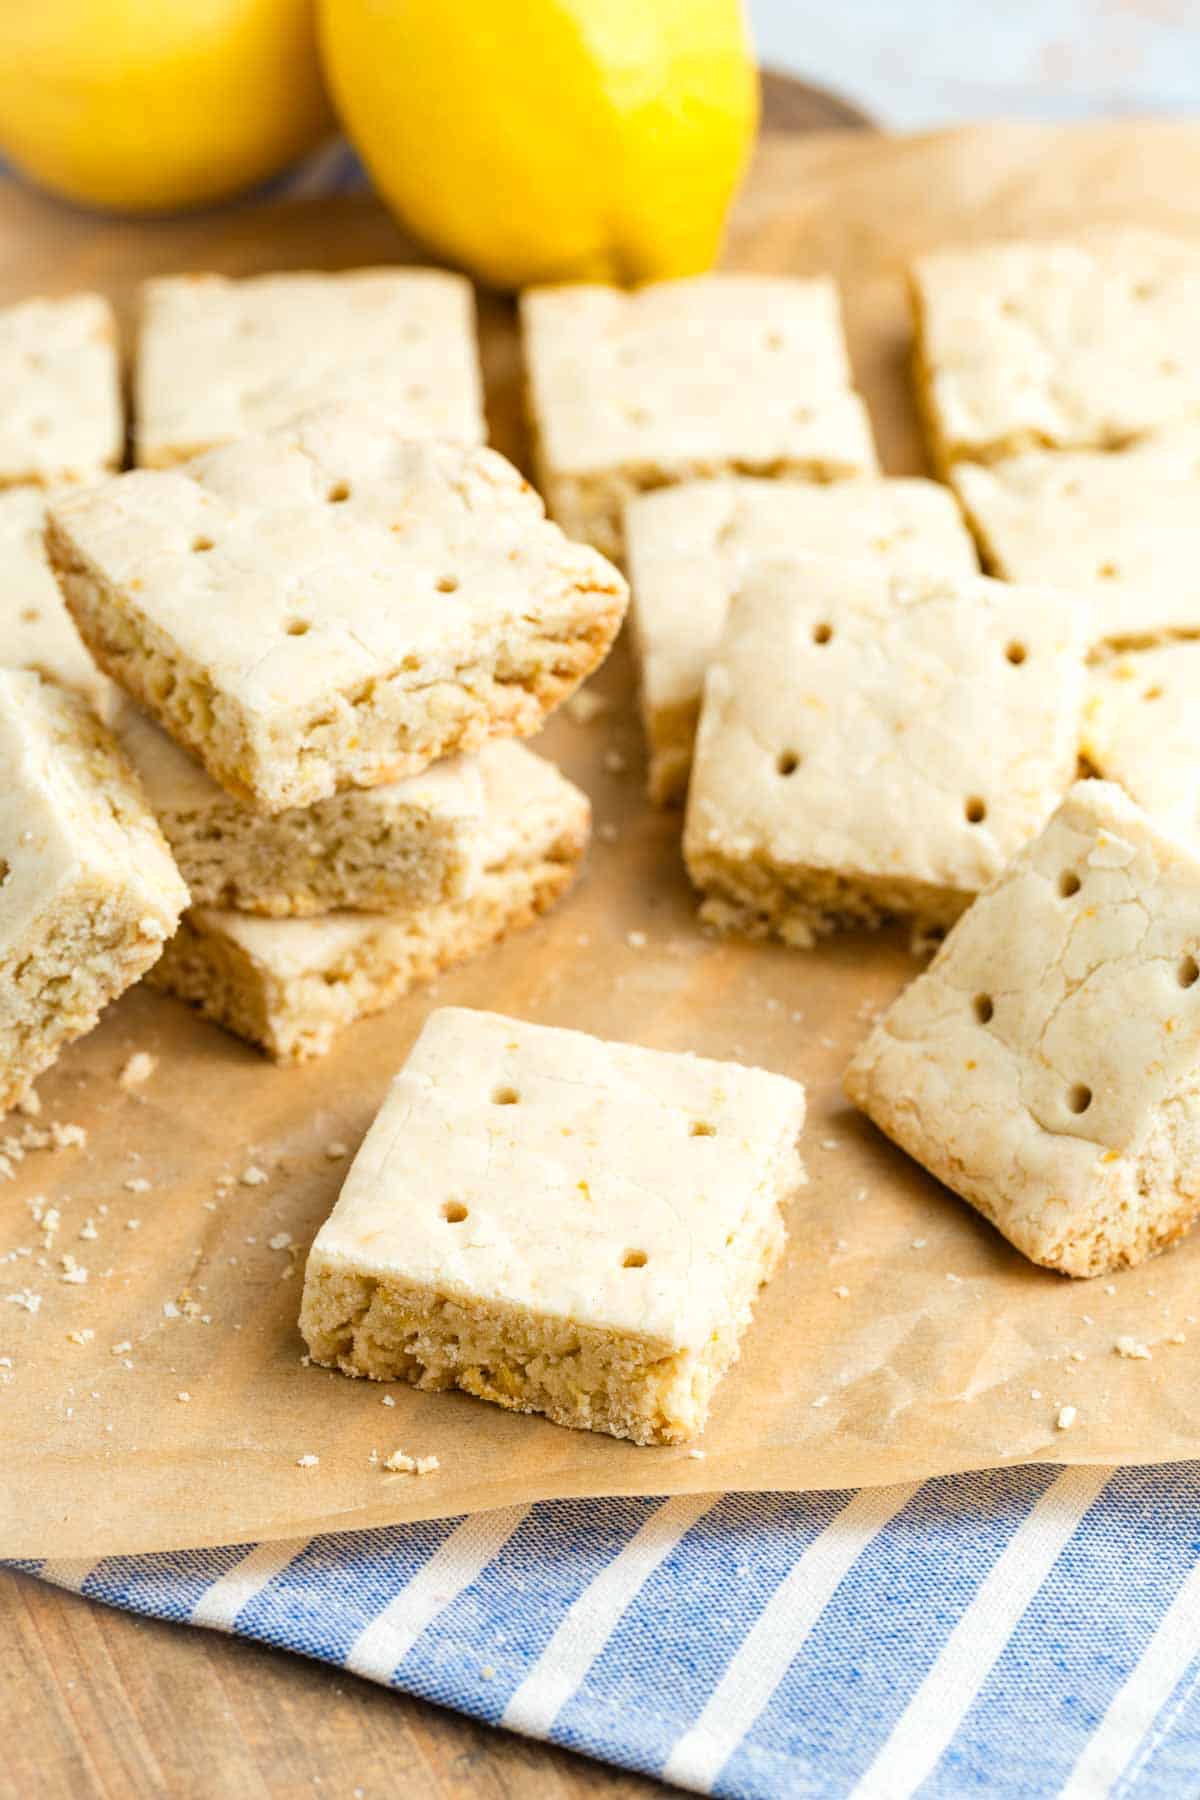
550 140
149 105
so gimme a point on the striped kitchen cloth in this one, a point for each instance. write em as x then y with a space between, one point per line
1020 1632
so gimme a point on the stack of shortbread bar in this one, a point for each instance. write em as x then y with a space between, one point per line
319 613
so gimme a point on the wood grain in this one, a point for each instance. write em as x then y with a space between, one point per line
97 1702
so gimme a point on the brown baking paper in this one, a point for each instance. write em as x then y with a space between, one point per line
902 1337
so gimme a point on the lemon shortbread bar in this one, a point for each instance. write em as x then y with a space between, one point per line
88 890
62 418
290 985
218 359
1084 344
333 605
1141 728
714 375
874 744
557 1224
1123 526
690 547
408 842
1045 1065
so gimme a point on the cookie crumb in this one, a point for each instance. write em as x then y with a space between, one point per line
1067 1416
308 1461
83 1336
388 1400
29 1105
121 1349
400 1463
636 940
72 1271
696 1455
585 706
183 1395
140 1067
67 1137
137 1184
843 1293
25 1298
252 1176
335 1150
1129 1346
281 1241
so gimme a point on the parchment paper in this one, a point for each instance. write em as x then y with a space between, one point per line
946 1351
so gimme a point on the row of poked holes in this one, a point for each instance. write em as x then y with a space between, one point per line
455 1213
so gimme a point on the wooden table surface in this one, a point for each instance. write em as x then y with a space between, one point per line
98 1702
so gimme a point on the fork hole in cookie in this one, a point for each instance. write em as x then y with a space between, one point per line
983 1008
1079 1098
975 810
822 633
1108 571
634 1259
788 762
1069 883
505 1096
447 584
200 544
1153 693
297 627
5 871
339 492
1188 972
701 1128
1016 652
454 1212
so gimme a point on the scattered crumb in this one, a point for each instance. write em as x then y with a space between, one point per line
308 1461
400 1463
955 1278
139 1068
28 1105
183 1395
83 1336
1177 1337
1067 1416
821 1400
1128 1346
585 706
1035 1393
252 1176
281 1241
487 1671
843 1293
137 1184
26 1298
830 1144
335 1150
388 1400
88 1229
133 1224
608 831
67 1137
696 1455
121 1349
72 1271
636 940
615 761
170 1310
1110 1287
919 1243
1078 1356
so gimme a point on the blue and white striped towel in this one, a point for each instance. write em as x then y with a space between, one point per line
1026 1632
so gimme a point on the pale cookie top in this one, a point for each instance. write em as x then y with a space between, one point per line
1085 343
1059 1016
915 727
1141 728
176 784
218 359
690 547
716 369
295 563
62 418
70 807
1123 526
36 630
602 1183
529 809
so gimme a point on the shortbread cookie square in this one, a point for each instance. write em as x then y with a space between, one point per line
714 375
690 547
1045 1065
36 630
1122 526
219 359
62 418
1141 729
1079 344
88 890
290 985
408 843
557 1224
333 605
874 744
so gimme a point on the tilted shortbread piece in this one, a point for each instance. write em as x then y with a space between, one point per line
715 375
62 417
1080 344
290 985
36 630
218 359
1122 526
407 843
1046 1065
88 890
333 605
1141 728
690 547
557 1224
874 744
